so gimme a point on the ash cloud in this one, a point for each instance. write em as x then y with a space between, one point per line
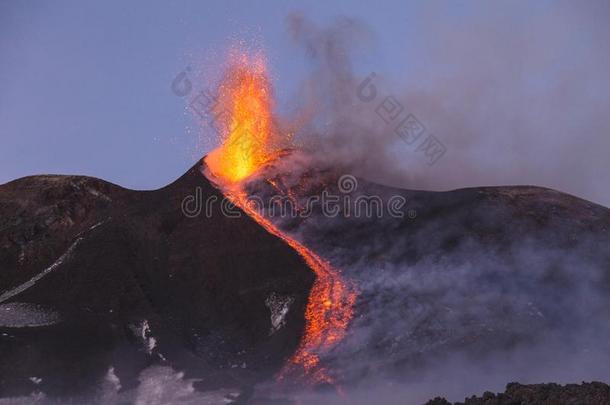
518 94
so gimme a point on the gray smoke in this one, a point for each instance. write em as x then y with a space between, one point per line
518 94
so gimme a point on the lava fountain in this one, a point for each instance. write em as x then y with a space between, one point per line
244 104
250 141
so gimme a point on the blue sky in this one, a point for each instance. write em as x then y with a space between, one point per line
85 86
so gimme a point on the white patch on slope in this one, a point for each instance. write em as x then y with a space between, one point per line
21 288
98 194
25 315
113 380
144 333
108 392
36 380
162 385
278 306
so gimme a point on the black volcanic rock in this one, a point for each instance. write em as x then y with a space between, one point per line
120 280
540 394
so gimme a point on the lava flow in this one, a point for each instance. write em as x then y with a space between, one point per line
250 141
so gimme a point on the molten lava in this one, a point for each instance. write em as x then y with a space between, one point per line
250 141
329 307
244 108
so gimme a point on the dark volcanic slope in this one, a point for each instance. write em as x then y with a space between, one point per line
94 277
475 286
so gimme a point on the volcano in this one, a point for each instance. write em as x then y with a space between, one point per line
268 273
101 281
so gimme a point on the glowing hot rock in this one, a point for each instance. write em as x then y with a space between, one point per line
248 137
249 142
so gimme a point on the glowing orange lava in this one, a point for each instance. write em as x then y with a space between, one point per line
244 114
329 307
249 142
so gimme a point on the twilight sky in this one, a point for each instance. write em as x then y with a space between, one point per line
518 91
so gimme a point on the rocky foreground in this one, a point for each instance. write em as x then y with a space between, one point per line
593 393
